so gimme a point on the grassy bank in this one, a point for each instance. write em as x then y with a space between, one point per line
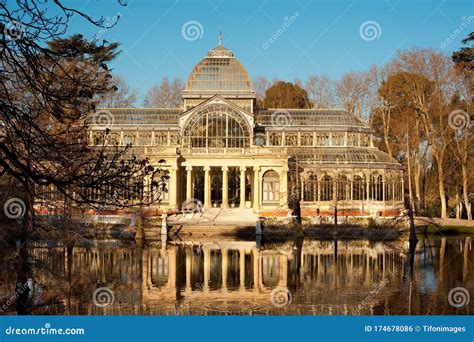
446 230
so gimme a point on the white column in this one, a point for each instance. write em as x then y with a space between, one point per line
242 186
225 187
284 186
319 188
207 187
256 188
302 188
383 190
189 182
173 187
393 191
368 188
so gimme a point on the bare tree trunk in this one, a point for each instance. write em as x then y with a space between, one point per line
467 203
417 177
458 206
411 214
387 145
410 188
442 191
386 128
22 288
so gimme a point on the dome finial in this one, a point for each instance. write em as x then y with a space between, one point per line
220 38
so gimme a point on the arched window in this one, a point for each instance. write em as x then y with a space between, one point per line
389 187
271 186
326 188
342 188
376 187
398 194
217 126
358 188
310 193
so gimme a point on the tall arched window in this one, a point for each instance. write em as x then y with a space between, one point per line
389 187
376 187
342 188
271 186
310 193
217 126
358 188
326 188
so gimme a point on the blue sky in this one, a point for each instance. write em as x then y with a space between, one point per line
320 36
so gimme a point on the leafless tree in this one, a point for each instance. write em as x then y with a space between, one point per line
432 110
261 84
122 97
320 90
352 92
165 95
49 87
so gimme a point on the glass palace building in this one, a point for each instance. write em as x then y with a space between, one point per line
222 151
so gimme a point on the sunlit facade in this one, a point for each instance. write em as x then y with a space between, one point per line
222 151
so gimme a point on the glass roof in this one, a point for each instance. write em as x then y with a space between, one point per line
352 156
306 117
219 72
140 116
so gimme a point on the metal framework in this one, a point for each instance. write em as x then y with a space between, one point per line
217 126
306 117
219 71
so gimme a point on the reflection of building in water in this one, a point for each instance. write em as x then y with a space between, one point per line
239 272
324 277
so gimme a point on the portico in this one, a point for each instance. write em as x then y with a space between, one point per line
230 183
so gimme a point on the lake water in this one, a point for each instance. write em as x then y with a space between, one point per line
226 277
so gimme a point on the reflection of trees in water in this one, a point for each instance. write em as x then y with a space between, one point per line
324 277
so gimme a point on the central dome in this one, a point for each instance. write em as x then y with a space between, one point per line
219 73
